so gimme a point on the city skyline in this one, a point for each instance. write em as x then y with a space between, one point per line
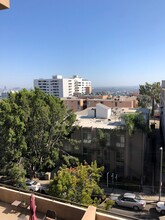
111 43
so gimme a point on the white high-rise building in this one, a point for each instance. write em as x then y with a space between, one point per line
63 87
80 84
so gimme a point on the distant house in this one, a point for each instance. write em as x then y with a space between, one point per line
118 151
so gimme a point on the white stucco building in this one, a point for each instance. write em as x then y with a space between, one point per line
63 87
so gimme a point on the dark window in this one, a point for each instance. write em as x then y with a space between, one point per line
120 155
85 151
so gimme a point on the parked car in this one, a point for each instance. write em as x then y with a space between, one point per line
160 207
131 200
33 185
44 189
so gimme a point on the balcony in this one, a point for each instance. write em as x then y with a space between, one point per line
4 4
63 209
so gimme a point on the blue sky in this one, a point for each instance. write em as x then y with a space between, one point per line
110 42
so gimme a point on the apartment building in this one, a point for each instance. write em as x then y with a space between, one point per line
81 86
4 4
119 151
63 87
81 102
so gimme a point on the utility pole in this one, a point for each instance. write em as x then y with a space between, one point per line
161 164
113 178
107 178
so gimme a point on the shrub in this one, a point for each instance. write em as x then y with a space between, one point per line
108 204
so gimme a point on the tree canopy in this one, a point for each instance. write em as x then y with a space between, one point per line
149 94
145 101
152 90
78 184
134 120
33 126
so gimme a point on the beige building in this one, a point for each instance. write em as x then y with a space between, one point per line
119 151
4 4
118 101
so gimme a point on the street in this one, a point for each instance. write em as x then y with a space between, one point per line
148 213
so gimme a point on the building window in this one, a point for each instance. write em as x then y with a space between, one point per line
85 150
120 141
98 152
120 155
87 137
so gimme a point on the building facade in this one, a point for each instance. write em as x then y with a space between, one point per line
81 86
63 87
103 138
81 102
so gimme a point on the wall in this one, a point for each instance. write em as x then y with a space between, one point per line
4 4
64 210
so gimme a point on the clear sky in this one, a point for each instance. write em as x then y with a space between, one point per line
110 42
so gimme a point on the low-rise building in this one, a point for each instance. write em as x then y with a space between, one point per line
115 102
81 102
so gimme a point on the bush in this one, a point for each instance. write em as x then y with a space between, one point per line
108 204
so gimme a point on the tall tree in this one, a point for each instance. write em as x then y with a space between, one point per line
33 126
152 91
134 120
144 101
12 129
78 184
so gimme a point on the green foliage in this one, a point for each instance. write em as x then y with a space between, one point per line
70 160
102 137
108 204
144 101
33 126
134 120
17 173
78 184
152 91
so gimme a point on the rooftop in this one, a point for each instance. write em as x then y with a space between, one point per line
8 212
84 120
